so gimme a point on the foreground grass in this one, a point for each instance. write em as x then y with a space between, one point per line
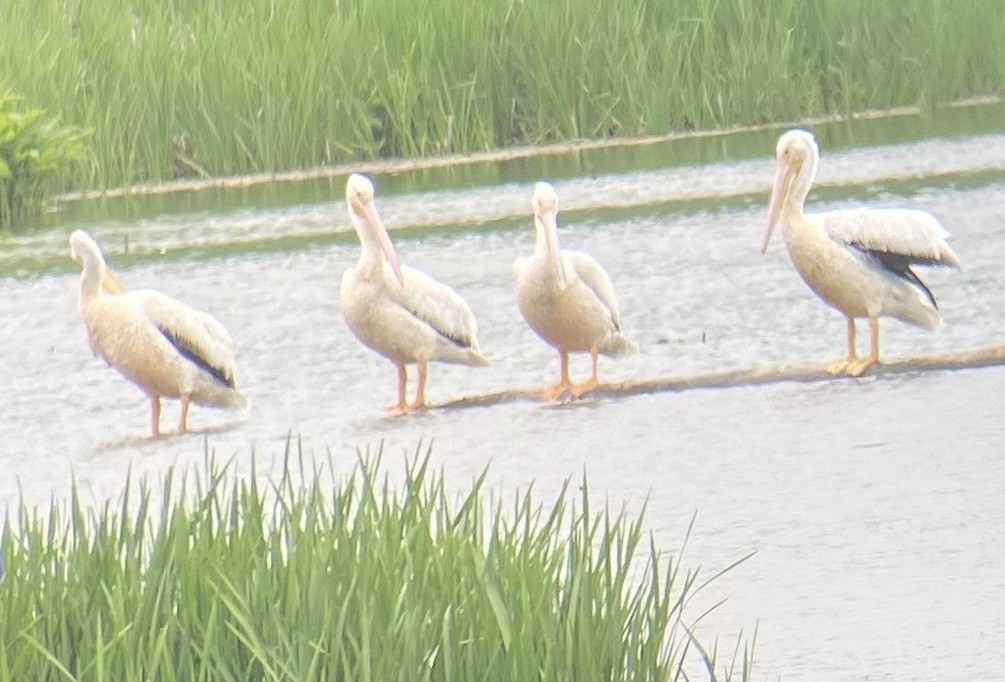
219 87
343 580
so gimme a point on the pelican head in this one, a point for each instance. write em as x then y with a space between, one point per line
83 249
796 156
545 203
85 252
369 227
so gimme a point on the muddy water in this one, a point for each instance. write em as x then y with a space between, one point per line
874 507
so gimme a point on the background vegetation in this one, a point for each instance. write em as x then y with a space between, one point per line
35 151
317 579
191 87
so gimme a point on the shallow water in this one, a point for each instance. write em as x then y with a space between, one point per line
874 507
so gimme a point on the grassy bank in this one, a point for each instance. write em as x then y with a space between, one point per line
219 87
339 579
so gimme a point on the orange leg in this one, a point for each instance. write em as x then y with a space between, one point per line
420 391
183 419
580 389
155 415
874 336
402 406
564 384
842 366
859 366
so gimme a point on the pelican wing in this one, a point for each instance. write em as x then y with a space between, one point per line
196 335
899 238
596 279
435 305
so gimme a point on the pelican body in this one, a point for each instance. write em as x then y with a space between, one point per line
163 346
567 298
858 261
397 311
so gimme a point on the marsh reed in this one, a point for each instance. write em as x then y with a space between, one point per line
215 576
220 88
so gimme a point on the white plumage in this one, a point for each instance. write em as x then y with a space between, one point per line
857 260
567 298
162 345
399 312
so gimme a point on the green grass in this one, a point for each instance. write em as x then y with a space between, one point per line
35 150
219 577
266 85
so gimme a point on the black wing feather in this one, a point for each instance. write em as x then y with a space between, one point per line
900 265
190 354
460 342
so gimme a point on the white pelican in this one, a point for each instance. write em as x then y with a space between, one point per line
857 260
163 346
397 311
567 298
